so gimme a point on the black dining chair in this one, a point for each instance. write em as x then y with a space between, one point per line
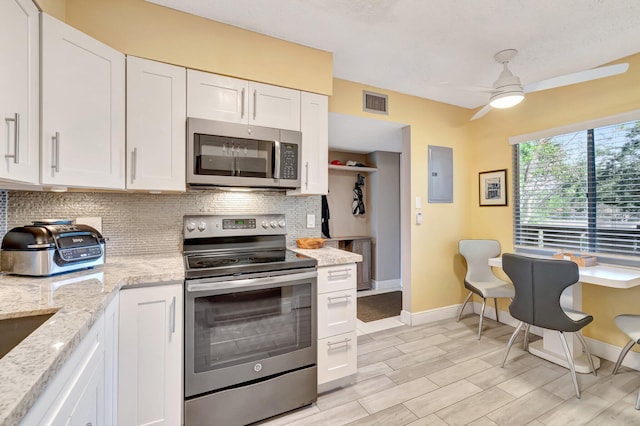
539 284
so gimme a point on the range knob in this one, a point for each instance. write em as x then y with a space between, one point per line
191 226
265 224
282 223
274 223
202 226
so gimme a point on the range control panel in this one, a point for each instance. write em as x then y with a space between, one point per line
234 225
239 223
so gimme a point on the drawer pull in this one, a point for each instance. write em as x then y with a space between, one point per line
344 342
339 273
344 297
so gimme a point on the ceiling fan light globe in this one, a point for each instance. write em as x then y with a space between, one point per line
506 99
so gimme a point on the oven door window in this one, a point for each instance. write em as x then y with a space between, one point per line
240 327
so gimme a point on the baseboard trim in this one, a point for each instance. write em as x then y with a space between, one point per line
600 349
432 315
395 284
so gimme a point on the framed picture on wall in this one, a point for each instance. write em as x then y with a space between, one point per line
493 188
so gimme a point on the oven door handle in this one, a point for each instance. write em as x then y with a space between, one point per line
257 283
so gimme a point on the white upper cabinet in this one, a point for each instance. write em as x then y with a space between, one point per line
156 125
83 109
273 106
216 97
314 124
19 90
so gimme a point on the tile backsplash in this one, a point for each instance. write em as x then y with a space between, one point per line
137 223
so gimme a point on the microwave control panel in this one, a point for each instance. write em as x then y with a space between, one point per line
289 161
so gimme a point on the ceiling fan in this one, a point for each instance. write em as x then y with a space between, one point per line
507 90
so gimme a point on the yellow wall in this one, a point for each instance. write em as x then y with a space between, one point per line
55 8
139 28
436 268
147 30
490 150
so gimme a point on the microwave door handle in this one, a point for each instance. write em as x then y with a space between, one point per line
276 165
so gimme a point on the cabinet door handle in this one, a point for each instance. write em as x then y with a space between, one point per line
242 104
16 137
306 167
134 165
339 273
55 152
344 342
172 316
255 103
346 298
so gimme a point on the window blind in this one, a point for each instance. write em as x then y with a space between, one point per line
580 191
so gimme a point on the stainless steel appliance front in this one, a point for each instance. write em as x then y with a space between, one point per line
238 155
250 321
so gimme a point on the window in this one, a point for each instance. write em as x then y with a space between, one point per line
579 190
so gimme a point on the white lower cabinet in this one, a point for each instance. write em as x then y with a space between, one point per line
150 355
81 393
337 337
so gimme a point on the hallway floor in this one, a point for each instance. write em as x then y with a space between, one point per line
440 374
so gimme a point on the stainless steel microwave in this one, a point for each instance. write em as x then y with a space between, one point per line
239 155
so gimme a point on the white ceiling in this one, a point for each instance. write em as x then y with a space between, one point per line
434 48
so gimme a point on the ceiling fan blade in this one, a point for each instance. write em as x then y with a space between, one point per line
484 110
577 77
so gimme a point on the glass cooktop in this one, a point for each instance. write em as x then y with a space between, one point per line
200 265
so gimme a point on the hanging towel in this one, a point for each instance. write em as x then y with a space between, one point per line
325 217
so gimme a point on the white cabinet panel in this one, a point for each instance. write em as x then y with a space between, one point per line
337 337
76 395
150 355
336 313
337 357
273 106
314 124
156 125
83 109
217 97
338 277
19 91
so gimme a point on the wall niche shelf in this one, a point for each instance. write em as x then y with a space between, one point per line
353 168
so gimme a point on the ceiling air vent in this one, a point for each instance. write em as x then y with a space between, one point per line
375 102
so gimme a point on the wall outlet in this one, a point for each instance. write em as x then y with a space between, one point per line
311 221
94 222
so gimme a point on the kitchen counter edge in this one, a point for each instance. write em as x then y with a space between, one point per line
327 256
78 298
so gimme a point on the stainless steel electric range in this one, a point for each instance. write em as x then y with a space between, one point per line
250 320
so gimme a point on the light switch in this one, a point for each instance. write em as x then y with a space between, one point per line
311 221
418 202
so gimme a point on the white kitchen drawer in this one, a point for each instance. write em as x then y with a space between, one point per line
336 313
337 357
334 278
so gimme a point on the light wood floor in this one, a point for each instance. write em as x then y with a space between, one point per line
439 374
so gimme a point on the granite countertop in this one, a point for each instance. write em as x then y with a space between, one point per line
77 299
327 256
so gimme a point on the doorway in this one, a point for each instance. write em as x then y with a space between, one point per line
371 150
